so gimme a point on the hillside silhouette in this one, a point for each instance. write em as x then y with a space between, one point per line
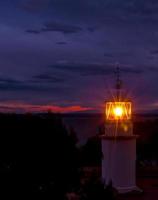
38 157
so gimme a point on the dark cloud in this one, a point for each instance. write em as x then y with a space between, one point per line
96 10
19 87
131 70
7 84
56 27
88 69
143 7
61 27
92 29
15 87
61 43
33 31
47 78
34 5
154 52
108 55
151 68
8 81
120 10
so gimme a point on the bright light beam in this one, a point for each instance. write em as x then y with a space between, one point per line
118 111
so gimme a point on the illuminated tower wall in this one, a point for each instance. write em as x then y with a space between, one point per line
119 147
119 144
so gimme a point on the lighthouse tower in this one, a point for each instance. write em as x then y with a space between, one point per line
119 143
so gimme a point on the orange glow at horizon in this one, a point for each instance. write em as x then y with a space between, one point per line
24 107
118 110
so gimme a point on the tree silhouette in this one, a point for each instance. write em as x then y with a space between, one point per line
37 157
95 189
91 153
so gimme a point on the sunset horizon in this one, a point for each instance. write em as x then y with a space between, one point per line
51 55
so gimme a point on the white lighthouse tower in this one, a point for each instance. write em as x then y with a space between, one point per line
119 143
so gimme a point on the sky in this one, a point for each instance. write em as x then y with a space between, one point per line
61 55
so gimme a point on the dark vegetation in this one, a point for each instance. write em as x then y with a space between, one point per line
94 189
147 143
90 153
39 159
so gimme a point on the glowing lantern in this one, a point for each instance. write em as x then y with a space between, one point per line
118 110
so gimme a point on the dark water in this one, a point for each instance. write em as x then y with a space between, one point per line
85 126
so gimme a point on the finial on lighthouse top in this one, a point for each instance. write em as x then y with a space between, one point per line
118 80
118 85
119 109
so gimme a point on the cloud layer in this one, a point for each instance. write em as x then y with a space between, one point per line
64 51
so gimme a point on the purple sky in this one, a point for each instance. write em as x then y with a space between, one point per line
63 52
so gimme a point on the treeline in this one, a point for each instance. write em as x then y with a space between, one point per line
39 159
37 156
147 143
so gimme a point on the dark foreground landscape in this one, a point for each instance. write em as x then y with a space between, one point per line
41 157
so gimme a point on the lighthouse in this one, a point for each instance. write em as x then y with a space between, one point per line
119 143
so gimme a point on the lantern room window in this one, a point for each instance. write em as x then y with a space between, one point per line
118 110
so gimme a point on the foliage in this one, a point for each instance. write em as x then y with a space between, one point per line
38 157
91 153
95 189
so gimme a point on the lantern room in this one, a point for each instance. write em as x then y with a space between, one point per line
118 111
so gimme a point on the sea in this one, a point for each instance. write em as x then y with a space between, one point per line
84 125
88 125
